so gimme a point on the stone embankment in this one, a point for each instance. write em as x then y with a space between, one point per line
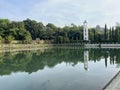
102 45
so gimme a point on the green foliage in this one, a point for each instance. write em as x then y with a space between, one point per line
27 37
9 39
1 38
28 30
34 28
105 33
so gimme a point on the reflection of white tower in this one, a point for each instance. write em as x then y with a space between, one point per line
85 31
86 58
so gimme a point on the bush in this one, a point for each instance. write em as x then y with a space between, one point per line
9 39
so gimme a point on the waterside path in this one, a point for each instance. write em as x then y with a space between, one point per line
114 84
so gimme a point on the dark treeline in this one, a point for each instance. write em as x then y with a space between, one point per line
33 61
28 30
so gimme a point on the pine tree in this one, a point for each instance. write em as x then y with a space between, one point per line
105 33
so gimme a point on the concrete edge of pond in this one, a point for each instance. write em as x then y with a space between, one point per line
112 82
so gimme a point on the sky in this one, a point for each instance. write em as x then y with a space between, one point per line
63 12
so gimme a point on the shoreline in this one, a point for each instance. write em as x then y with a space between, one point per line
23 47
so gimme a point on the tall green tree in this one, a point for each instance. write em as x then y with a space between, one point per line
105 33
34 28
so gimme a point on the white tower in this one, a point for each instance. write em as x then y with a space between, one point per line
85 31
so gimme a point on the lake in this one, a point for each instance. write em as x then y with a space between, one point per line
58 69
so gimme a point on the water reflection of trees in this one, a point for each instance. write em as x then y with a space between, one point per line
33 61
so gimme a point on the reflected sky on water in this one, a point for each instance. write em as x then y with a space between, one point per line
58 69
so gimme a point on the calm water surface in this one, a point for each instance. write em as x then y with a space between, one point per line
58 69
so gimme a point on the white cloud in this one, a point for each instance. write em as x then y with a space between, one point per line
61 12
66 11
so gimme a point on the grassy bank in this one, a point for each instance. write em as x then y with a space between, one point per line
21 47
24 47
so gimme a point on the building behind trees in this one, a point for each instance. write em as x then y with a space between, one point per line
27 30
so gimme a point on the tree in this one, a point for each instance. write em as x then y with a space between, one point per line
34 28
113 35
4 26
110 35
105 33
27 37
50 31
117 34
9 39
92 35
1 39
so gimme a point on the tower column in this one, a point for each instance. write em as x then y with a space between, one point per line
86 59
85 31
